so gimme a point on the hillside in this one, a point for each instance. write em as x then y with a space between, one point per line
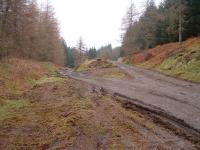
39 109
182 61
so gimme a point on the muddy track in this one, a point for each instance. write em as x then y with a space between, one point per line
159 116
155 75
172 103
179 127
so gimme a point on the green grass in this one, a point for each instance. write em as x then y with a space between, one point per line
145 65
8 108
81 104
128 61
84 66
49 80
91 65
81 68
49 67
185 64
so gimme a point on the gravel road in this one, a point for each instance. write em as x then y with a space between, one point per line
177 98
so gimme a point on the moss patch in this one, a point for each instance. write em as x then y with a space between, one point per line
51 68
8 108
84 66
185 64
49 80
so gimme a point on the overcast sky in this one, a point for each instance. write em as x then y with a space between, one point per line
97 21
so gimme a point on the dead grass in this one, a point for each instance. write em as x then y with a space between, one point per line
91 65
61 113
157 55
17 75
102 68
173 59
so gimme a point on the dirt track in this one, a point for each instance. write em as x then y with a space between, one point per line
177 99
72 115
58 112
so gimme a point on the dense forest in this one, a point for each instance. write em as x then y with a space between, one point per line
171 21
29 30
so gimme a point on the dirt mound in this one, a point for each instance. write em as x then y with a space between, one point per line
94 65
102 68
100 64
157 55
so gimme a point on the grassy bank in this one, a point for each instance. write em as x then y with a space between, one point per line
185 64
180 61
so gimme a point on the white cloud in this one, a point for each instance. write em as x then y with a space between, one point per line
97 21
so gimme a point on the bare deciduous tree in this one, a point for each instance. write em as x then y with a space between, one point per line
28 31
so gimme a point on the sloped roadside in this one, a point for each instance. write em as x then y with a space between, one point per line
174 59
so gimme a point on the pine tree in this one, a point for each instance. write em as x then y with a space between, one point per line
69 62
92 53
192 27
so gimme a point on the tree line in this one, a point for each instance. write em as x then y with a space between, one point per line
80 53
171 21
28 30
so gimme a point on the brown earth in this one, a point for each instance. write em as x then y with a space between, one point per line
157 55
100 64
102 68
155 93
62 113
68 115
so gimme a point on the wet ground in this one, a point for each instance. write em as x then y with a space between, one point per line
108 109
174 99
178 98
74 115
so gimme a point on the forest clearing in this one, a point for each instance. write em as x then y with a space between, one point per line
99 75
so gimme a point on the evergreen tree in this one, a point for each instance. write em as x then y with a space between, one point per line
69 56
92 53
192 27
172 21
